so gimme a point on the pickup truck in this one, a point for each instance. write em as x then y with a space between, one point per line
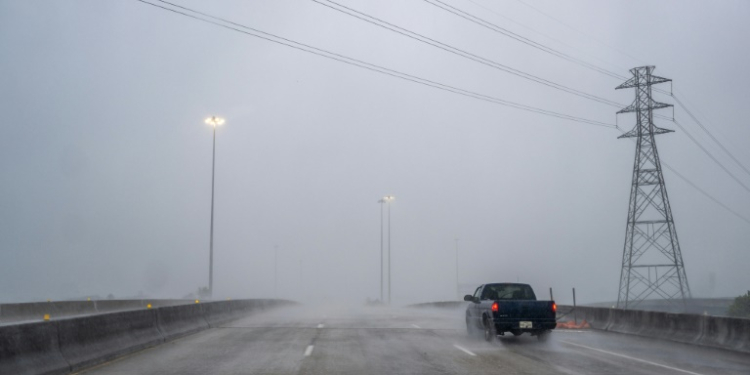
509 307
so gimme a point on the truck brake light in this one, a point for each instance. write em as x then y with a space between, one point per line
495 307
554 307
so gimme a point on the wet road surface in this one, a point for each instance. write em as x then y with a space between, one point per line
308 340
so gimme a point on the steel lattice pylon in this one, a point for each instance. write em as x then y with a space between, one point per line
651 258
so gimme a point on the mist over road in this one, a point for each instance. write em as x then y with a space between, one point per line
360 340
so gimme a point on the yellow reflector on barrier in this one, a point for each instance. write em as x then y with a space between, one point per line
148 306
196 301
46 317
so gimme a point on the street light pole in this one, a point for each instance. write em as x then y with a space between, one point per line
388 200
275 271
458 294
213 121
381 201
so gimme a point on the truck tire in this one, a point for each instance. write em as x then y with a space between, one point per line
489 330
471 330
543 336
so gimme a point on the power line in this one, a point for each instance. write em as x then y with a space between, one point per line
545 35
362 64
503 31
578 31
460 52
698 114
522 39
676 99
372 67
711 156
706 194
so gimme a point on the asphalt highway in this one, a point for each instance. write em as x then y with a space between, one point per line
373 340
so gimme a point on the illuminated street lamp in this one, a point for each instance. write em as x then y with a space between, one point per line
214 122
388 199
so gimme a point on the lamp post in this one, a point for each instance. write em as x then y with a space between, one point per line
214 122
381 201
388 199
458 292
275 271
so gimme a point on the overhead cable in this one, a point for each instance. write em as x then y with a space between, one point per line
711 156
505 16
676 99
221 22
580 32
489 25
705 193
460 52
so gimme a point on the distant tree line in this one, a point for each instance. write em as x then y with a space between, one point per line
741 306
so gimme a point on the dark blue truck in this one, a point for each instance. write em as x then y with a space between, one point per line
509 307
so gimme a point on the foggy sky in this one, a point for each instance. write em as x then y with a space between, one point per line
106 162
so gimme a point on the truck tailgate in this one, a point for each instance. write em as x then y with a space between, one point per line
518 309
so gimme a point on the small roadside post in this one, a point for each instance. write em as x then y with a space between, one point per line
575 313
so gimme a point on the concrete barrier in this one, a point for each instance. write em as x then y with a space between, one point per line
112 305
217 313
243 307
31 349
135 304
35 311
705 330
441 305
71 344
178 321
731 333
89 340
166 302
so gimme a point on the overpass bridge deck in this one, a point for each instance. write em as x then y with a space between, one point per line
305 340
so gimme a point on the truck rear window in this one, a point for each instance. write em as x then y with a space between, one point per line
508 291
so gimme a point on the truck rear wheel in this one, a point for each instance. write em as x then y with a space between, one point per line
489 330
471 330
543 336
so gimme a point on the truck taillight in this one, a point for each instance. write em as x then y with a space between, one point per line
495 307
554 307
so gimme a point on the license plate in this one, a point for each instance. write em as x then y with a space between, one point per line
525 325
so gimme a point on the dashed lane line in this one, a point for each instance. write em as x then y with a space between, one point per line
415 326
321 325
308 351
633 358
464 350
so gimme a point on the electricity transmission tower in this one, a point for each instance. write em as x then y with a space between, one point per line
651 258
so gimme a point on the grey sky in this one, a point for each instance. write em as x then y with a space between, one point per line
106 163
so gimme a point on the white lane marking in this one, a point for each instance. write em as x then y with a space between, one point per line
633 358
321 325
464 350
308 351
415 326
